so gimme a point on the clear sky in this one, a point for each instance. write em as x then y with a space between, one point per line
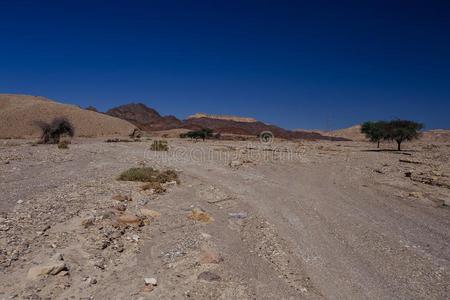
297 64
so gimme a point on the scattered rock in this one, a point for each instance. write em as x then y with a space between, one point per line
198 214
236 163
120 207
205 235
121 198
170 184
48 269
408 174
209 276
211 256
135 238
20 201
143 201
153 188
151 281
239 215
92 280
416 194
150 213
88 222
57 257
129 219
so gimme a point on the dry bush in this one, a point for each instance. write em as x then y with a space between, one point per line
148 174
53 131
159 146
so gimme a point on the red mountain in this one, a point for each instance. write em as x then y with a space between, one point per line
145 118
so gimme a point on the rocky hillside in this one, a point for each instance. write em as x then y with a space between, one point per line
144 117
248 128
19 114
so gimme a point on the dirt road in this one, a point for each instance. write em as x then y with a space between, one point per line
332 221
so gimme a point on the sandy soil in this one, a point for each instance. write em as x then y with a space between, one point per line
282 221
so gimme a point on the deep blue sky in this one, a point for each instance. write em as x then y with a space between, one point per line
298 64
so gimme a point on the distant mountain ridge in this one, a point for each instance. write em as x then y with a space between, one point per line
223 117
149 119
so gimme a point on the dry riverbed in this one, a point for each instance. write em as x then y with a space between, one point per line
288 220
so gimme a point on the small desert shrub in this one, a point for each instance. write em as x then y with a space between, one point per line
148 174
52 132
64 144
159 146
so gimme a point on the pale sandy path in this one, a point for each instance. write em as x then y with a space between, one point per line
355 242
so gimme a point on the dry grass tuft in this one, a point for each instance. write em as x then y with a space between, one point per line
159 146
148 174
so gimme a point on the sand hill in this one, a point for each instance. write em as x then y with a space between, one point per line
19 113
352 133
436 136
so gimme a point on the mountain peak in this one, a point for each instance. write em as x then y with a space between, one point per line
144 117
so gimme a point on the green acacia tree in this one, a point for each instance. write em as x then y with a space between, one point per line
203 134
374 131
402 130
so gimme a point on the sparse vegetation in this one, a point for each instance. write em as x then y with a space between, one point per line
159 146
148 174
403 130
53 131
396 130
64 144
203 134
374 131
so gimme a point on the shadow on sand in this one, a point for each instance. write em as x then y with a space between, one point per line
403 152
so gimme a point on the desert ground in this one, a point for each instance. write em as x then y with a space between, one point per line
287 220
